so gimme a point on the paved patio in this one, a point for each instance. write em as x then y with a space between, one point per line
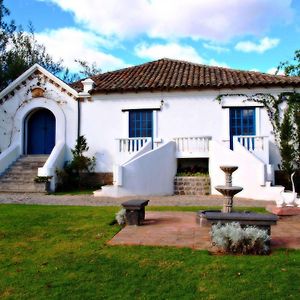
179 229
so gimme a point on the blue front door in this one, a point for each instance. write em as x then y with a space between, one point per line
40 132
242 122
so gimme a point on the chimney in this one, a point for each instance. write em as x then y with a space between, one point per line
88 84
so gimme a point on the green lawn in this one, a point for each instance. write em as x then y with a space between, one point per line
55 252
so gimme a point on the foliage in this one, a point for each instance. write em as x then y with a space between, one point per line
42 179
72 175
19 50
196 174
287 149
88 70
64 249
284 115
121 216
232 238
291 69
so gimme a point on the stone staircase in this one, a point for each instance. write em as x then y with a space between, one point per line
19 177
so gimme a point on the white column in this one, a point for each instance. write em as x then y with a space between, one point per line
257 121
125 124
226 124
155 125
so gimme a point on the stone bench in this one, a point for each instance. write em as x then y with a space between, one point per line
263 221
135 211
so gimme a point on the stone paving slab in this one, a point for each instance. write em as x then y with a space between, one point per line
179 229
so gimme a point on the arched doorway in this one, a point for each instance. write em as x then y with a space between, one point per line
40 137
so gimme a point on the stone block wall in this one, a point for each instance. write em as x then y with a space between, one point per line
192 185
98 178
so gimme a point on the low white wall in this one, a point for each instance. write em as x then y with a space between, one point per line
8 156
55 161
117 170
151 173
250 174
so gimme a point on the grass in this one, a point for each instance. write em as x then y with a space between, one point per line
58 252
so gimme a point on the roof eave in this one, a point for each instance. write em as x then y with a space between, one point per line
28 73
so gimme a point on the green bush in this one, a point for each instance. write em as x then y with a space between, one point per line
73 174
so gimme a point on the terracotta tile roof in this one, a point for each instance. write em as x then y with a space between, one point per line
167 74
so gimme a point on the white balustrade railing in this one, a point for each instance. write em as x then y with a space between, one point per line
258 145
192 145
131 145
252 142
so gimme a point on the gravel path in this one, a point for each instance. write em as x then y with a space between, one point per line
90 200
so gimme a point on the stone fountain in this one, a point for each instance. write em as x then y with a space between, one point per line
227 190
228 215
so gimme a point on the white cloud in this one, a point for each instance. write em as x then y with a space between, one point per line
213 62
274 70
215 20
174 51
71 43
171 50
216 48
263 45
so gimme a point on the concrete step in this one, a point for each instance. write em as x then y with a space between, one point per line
20 176
33 157
28 164
21 170
16 180
29 188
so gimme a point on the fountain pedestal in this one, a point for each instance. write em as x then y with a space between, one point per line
227 190
225 216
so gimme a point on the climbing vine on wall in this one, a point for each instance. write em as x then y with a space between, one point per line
284 115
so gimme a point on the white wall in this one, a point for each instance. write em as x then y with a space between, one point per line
184 114
14 111
250 175
152 173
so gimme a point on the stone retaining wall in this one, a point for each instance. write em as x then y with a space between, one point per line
192 185
98 178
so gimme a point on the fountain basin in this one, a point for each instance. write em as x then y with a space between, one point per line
228 169
263 221
228 191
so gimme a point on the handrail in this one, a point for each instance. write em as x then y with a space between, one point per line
54 161
252 142
8 156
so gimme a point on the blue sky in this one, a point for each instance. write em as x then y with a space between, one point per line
240 34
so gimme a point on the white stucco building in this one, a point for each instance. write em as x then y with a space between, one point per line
142 122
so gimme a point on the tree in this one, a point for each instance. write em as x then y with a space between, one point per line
86 70
6 29
291 69
19 50
73 174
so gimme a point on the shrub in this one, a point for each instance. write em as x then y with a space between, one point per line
73 174
232 238
121 216
190 174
